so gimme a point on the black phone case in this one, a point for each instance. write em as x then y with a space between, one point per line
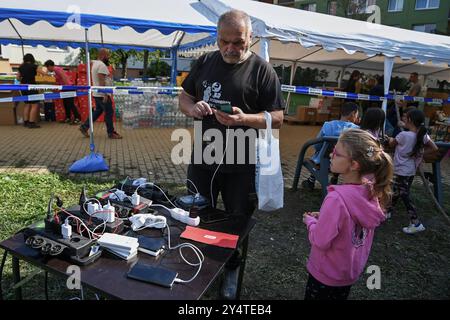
156 275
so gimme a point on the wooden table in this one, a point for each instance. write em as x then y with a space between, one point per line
107 276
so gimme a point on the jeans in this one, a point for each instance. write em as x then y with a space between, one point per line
99 109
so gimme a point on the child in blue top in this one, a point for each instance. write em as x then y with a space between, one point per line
349 116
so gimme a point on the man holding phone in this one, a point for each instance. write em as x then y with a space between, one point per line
231 89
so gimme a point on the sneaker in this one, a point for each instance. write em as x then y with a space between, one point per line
414 228
76 121
114 135
307 184
84 131
33 125
67 120
228 290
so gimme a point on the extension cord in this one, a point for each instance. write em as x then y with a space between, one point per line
183 216
147 220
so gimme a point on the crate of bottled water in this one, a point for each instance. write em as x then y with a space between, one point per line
155 108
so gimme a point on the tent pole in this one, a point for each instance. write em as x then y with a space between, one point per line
21 39
88 70
101 33
264 48
174 53
291 80
388 67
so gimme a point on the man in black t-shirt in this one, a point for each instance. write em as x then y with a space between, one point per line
236 77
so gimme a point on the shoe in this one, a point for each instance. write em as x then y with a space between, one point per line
414 228
76 121
388 215
307 184
228 290
84 131
67 121
33 125
114 135
26 123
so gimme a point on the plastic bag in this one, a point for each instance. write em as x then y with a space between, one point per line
269 178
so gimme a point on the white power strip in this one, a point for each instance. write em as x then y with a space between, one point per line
183 216
147 220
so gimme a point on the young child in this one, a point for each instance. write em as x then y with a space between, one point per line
349 116
341 233
373 122
409 147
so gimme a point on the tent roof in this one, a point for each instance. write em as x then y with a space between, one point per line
129 24
331 32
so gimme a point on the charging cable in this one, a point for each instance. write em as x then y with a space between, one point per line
197 252
217 169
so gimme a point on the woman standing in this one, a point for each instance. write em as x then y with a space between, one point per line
27 75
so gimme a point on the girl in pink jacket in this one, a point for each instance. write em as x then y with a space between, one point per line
341 233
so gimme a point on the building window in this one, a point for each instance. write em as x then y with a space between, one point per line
430 28
395 5
360 6
309 7
332 8
427 4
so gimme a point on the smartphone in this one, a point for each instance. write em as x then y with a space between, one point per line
224 107
155 275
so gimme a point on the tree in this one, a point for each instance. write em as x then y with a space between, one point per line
353 9
120 57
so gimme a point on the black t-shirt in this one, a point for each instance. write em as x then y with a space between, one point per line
28 73
252 85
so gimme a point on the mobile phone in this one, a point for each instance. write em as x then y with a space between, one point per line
156 275
224 107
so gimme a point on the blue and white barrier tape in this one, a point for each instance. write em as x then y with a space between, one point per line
45 96
17 87
355 96
70 94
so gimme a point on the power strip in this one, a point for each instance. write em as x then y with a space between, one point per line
147 220
183 216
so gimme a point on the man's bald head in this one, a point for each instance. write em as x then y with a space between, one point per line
103 53
235 19
234 34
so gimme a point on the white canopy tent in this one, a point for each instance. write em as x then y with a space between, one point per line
287 35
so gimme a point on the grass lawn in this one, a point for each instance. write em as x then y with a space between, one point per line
412 267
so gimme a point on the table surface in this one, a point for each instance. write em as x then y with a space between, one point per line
107 275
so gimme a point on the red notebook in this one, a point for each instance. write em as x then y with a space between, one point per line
219 239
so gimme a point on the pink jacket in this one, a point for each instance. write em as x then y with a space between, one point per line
342 236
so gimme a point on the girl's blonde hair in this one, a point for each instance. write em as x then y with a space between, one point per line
367 151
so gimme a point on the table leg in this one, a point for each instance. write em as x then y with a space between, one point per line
16 277
242 267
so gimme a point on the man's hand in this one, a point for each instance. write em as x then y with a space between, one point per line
201 109
235 119
105 98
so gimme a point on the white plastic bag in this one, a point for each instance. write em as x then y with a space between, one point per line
269 178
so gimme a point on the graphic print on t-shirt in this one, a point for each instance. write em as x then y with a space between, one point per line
213 92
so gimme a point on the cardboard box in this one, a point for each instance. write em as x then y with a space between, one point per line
7 109
322 117
306 114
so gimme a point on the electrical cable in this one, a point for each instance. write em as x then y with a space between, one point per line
217 169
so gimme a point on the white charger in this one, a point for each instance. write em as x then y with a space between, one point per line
66 229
